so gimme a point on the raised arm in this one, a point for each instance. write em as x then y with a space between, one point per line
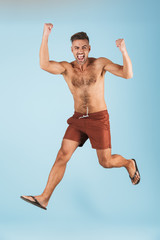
47 65
124 71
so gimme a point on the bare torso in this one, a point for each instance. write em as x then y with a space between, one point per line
87 86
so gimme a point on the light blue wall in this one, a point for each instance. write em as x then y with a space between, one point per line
90 202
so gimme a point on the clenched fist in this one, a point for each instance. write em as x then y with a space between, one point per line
47 28
121 44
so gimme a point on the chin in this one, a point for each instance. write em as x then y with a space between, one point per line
81 63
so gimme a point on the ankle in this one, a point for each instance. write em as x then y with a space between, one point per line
128 164
45 197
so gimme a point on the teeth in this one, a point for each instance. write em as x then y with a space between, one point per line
80 56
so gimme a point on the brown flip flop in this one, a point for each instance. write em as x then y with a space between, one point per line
36 203
137 171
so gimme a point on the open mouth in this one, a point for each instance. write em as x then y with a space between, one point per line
80 57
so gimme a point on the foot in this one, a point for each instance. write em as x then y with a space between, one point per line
41 200
133 172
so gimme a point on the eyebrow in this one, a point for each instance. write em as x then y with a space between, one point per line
82 46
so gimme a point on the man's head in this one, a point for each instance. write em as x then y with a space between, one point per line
80 47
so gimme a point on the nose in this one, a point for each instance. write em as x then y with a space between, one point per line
80 52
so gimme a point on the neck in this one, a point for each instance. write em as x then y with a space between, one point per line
83 66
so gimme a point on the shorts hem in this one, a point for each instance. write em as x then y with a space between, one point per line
106 147
80 145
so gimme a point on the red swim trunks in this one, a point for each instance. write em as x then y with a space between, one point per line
95 126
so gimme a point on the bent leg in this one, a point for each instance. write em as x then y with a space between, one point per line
57 172
107 160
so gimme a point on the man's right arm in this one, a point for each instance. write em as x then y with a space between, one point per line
47 65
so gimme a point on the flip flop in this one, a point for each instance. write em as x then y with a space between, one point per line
137 171
36 203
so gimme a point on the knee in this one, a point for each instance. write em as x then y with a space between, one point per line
105 161
63 156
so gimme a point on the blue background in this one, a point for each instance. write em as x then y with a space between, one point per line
91 202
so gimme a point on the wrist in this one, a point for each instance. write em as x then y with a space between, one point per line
124 52
45 36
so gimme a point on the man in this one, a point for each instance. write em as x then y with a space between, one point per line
85 79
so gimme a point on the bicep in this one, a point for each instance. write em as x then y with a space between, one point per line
113 68
55 67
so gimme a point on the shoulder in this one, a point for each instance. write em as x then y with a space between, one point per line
94 61
102 60
65 64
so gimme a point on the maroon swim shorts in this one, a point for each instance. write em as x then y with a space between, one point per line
95 126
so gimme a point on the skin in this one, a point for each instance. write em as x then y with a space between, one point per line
85 79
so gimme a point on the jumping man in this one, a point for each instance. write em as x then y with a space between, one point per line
85 79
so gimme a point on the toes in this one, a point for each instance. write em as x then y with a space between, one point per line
136 178
29 198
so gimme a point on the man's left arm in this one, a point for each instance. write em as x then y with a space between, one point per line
124 71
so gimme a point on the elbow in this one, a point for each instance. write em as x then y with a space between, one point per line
128 73
43 63
43 66
129 76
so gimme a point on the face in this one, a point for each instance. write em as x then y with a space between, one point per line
80 49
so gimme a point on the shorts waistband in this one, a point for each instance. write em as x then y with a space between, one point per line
94 114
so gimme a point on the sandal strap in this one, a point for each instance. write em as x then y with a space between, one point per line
35 200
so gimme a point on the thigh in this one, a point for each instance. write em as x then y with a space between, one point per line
68 147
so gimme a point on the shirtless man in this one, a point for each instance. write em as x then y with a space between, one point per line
85 79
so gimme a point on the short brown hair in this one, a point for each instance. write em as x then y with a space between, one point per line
79 35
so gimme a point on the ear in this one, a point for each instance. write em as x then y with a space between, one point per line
72 49
89 48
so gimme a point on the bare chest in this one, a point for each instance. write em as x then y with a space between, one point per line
81 79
